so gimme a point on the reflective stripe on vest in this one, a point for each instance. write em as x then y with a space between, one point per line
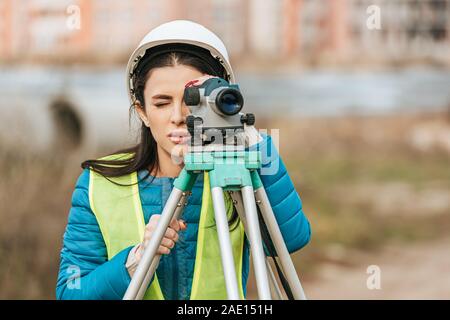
118 210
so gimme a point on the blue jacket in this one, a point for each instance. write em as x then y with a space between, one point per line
86 273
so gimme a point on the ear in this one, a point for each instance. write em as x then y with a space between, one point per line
141 112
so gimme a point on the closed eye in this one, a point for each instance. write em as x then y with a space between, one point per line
161 104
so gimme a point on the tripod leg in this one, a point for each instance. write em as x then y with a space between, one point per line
155 262
223 233
280 245
238 204
151 271
149 254
254 235
237 201
274 287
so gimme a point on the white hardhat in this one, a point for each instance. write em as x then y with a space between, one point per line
179 32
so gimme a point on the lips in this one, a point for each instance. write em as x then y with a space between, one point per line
179 136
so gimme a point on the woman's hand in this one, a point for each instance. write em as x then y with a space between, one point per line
167 243
169 239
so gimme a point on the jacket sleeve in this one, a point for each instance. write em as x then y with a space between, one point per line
284 199
85 272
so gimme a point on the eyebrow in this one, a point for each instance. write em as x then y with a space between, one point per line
162 96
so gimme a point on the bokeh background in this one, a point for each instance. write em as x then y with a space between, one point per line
360 91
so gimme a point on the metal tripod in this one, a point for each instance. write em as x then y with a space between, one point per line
233 171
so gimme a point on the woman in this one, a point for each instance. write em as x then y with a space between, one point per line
118 199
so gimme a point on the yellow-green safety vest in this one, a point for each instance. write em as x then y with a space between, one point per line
118 210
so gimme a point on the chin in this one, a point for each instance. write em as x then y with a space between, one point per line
177 153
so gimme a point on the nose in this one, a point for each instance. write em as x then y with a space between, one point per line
179 113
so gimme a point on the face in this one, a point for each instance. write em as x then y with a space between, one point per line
165 111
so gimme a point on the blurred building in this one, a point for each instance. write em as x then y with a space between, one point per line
411 29
341 30
90 30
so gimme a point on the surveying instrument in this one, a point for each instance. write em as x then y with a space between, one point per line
217 147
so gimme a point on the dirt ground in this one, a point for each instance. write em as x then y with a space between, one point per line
418 271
